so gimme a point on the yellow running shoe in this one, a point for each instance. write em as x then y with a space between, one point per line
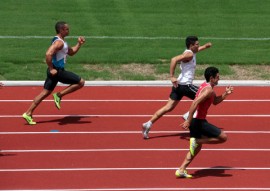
29 119
184 174
192 145
57 100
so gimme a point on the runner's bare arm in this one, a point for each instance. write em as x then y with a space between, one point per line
182 57
205 46
219 99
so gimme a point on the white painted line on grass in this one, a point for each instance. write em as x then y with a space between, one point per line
142 38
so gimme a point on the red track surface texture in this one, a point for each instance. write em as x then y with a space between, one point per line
94 142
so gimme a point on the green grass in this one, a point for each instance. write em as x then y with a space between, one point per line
223 22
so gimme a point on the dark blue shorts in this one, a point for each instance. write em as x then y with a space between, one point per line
62 76
189 91
200 127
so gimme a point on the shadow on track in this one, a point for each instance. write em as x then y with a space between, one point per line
216 171
68 120
184 136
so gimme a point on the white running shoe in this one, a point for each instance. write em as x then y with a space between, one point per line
145 129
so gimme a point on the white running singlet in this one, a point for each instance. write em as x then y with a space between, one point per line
59 59
187 71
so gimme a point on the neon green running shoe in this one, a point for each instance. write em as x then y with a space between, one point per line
184 174
192 145
29 119
57 100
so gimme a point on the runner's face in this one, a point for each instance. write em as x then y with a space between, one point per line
215 80
195 47
65 30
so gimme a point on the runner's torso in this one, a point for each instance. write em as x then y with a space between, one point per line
187 70
203 107
59 59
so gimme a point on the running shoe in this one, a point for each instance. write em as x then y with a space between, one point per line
192 145
184 174
145 129
57 100
29 119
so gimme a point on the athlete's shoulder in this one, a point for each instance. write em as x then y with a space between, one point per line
187 55
57 39
206 87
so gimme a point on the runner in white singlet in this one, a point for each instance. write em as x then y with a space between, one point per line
182 86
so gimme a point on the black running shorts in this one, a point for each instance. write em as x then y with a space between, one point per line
62 76
200 127
189 91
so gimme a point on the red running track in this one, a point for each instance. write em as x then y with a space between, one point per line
98 143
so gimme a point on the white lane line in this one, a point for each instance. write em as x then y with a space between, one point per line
122 132
100 115
132 100
128 169
149 189
129 150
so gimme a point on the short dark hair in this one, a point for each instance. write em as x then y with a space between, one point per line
210 72
191 40
59 25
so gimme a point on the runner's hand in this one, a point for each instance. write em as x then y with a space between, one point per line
53 72
185 125
174 82
229 90
81 40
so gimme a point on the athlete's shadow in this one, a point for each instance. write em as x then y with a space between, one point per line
6 155
217 171
181 135
68 120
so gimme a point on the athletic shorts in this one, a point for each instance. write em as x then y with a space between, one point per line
200 127
189 91
62 76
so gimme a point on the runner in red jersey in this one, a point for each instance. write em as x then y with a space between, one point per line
202 132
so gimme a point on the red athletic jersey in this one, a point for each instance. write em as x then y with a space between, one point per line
203 106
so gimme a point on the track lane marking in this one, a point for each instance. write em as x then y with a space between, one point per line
130 150
123 132
129 169
132 100
149 189
99 115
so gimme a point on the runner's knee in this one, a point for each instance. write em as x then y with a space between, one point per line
42 96
81 83
223 137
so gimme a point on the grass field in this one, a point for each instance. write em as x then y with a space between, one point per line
132 32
